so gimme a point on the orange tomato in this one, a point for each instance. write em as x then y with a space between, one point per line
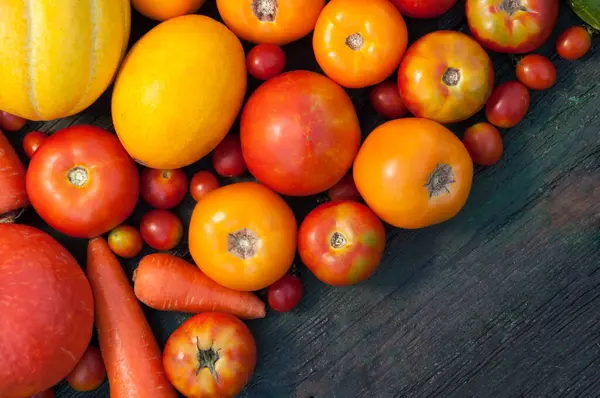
413 173
161 10
270 21
243 236
446 76
359 43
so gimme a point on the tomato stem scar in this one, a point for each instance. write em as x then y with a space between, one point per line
451 77
78 176
355 41
439 180
243 243
512 6
338 240
207 359
265 10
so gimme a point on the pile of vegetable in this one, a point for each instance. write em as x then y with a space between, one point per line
177 93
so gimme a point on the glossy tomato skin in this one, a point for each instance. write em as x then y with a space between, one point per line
573 43
508 26
89 373
536 72
202 183
243 236
125 241
386 100
359 43
161 229
82 182
445 76
508 104
9 122
164 189
413 173
341 242
424 9
285 294
345 190
210 333
484 143
228 160
322 133
33 141
265 61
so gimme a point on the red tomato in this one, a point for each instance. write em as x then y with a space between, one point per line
164 189
300 133
82 182
574 43
484 143
265 61
33 141
89 373
202 183
125 241
424 8
10 122
536 72
228 159
161 230
44 394
386 100
508 104
345 190
341 242
210 355
285 294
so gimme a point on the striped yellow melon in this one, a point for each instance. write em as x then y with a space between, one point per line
58 56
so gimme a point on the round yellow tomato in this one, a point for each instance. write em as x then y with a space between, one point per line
243 236
161 10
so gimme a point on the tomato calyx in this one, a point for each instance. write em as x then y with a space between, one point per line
78 176
451 77
11 216
265 10
512 6
243 243
440 180
207 359
338 241
355 41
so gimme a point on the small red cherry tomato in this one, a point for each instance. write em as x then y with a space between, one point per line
202 183
345 190
33 141
508 104
228 159
125 241
265 61
10 122
484 143
285 294
49 393
89 373
164 189
161 230
574 43
386 100
536 72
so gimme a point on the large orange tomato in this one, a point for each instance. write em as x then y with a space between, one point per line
359 43
270 21
413 173
161 10
243 236
446 76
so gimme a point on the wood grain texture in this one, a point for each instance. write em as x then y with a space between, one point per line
502 301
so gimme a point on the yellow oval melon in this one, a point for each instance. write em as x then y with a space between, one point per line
58 56
179 91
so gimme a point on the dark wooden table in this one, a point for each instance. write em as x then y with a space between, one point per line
501 301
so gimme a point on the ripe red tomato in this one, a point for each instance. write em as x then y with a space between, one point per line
345 190
424 8
300 133
265 61
574 43
386 100
10 122
536 72
210 355
508 104
161 230
125 241
89 373
202 183
82 182
33 141
285 294
484 143
164 189
44 394
228 159
341 242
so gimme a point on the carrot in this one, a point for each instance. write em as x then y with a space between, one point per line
130 351
168 283
13 195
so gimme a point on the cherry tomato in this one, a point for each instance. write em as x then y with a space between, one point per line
161 230
210 355
125 241
345 190
228 159
265 61
285 294
33 141
44 394
508 104
424 8
89 373
386 100
164 189
574 43
10 122
202 183
536 72
484 143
